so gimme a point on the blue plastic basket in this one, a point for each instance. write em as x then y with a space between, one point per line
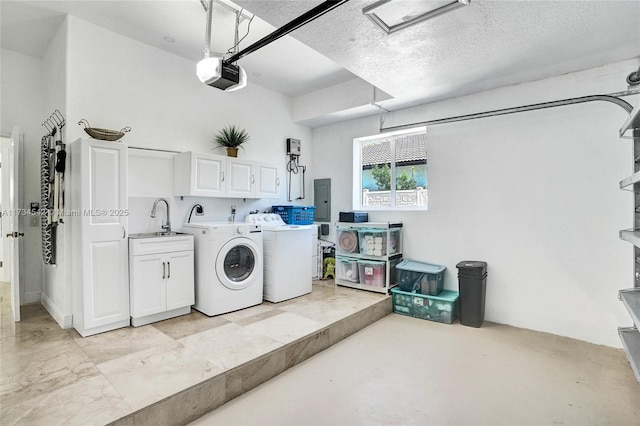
296 215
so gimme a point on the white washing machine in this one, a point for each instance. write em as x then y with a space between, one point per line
228 266
288 252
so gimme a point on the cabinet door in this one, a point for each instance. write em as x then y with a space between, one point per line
180 283
148 289
267 180
103 199
240 179
208 175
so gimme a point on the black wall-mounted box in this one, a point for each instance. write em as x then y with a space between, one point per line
354 217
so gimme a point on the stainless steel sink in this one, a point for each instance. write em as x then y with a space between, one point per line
157 234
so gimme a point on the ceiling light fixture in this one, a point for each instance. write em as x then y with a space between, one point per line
394 15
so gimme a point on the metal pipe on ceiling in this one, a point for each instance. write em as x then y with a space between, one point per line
613 98
301 20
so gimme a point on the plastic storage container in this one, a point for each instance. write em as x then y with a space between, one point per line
296 215
393 272
472 282
420 277
347 269
395 245
372 273
442 308
373 242
348 240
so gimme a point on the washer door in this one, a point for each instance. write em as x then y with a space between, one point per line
238 263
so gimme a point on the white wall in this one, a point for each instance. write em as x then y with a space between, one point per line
22 92
534 194
57 295
114 82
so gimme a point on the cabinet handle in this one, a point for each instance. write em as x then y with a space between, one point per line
278 181
168 269
253 179
124 232
164 271
222 173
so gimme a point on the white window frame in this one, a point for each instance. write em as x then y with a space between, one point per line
357 171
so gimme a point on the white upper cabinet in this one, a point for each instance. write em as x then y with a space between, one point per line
207 175
267 180
241 182
199 174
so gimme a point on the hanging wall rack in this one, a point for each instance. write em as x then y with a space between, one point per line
52 168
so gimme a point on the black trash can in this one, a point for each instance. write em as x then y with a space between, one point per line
472 281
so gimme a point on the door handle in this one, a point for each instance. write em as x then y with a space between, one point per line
168 269
124 232
15 234
10 235
164 270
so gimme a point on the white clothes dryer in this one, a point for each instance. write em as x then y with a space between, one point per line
288 254
228 266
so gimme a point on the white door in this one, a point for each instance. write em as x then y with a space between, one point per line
105 249
240 179
11 221
209 175
180 287
267 180
148 293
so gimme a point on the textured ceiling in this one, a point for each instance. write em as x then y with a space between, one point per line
488 44
481 46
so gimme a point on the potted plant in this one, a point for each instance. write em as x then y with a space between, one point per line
231 137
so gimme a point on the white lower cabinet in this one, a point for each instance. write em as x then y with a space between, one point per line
161 278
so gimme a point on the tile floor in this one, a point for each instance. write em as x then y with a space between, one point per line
132 376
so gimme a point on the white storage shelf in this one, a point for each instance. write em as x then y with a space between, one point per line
389 247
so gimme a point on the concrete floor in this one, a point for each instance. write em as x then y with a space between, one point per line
402 371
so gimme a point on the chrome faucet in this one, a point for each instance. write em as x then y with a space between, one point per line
167 226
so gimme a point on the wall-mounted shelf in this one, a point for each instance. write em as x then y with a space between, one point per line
631 300
633 122
630 181
631 297
632 236
631 342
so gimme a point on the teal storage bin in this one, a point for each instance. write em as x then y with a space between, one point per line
420 277
442 308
